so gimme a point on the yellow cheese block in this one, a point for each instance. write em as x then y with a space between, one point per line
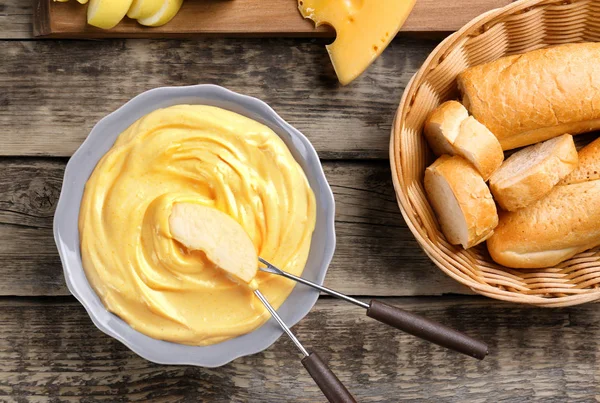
364 29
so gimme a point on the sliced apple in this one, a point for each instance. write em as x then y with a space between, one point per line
167 11
220 237
107 13
144 8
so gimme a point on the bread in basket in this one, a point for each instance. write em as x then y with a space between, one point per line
517 28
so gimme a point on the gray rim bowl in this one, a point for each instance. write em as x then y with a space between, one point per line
99 141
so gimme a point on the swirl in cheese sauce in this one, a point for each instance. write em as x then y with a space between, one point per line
206 155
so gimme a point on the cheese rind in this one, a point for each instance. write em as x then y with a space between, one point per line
364 29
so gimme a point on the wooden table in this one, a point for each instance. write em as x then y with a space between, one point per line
52 93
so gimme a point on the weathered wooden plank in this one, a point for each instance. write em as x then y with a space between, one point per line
53 92
16 19
50 351
376 253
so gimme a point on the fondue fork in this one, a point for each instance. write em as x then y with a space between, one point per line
330 385
400 319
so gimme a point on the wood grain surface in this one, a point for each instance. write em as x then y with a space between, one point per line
16 20
51 352
53 92
376 253
242 18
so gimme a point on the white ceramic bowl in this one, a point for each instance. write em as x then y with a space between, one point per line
99 141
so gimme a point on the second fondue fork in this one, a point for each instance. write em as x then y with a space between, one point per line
325 379
399 318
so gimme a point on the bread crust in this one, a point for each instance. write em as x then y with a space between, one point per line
516 190
479 146
442 126
474 199
551 230
528 98
589 165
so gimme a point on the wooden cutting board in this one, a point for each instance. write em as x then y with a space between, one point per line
243 18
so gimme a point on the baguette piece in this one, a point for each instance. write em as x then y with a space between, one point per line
479 146
531 173
450 130
589 165
461 200
553 229
442 126
528 98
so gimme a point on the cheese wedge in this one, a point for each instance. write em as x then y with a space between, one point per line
220 237
107 14
364 29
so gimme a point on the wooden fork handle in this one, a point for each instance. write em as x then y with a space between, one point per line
330 385
427 329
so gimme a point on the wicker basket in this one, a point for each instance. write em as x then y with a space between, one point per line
517 28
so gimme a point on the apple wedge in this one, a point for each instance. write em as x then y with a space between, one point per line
167 11
144 8
106 14
220 237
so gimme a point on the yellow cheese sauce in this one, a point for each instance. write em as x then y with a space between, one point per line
210 156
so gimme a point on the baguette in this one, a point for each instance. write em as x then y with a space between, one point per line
531 173
450 130
528 98
461 200
479 146
442 126
551 230
589 165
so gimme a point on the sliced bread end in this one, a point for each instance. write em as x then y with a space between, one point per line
461 200
479 146
531 173
442 126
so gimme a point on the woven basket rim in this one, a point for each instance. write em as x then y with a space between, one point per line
475 27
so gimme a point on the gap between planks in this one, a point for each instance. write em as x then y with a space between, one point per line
54 92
